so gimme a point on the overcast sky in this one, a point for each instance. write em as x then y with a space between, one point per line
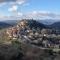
36 9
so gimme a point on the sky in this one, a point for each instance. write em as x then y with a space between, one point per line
29 9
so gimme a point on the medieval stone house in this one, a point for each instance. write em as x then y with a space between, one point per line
9 32
13 32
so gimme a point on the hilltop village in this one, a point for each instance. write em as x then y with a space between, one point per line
44 37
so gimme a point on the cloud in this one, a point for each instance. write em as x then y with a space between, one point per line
33 14
14 11
13 8
20 1
13 1
15 5
2 4
17 16
42 15
20 14
1 1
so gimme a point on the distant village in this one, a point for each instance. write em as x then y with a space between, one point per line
48 38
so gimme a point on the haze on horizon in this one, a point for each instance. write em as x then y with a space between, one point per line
28 9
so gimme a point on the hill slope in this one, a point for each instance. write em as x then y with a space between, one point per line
4 25
55 25
11 22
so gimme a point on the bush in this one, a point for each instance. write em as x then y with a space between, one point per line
16 44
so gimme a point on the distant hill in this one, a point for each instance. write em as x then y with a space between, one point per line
55 25
11 22
47 21
4 25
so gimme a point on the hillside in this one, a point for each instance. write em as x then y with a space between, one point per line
56 25
47 21
4 25
11 22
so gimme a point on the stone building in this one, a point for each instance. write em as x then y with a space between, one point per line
12 32
9 32
14 29
46 31
22 24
